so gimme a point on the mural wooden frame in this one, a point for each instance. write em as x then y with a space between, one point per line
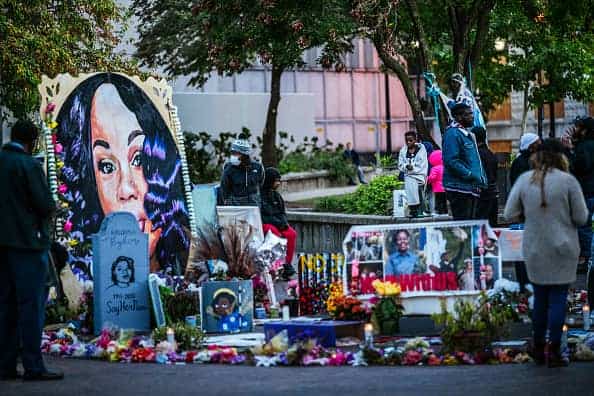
56 90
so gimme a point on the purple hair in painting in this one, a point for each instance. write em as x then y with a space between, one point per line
164 202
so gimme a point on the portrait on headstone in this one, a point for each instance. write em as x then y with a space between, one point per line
116 153
122 272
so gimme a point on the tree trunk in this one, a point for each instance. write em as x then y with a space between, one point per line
409 90
269 157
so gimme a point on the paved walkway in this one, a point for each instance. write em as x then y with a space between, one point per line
89 378
312 194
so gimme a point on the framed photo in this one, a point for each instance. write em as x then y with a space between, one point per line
227 307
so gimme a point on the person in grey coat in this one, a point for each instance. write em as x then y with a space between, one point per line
551 202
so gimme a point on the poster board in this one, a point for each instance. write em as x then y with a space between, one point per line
467 250
247 215
227 306
113 143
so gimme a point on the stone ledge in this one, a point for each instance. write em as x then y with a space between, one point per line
355 219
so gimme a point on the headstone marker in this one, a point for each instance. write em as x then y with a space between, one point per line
120 270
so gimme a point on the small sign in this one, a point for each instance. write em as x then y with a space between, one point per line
156 300
120 271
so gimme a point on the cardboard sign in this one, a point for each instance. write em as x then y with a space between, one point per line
121 269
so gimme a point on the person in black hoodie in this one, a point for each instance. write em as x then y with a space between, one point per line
582 166
488 205
274 216
529 143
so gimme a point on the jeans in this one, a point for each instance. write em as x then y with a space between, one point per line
463 206
487 209
585 232
549 312
23 292
441 204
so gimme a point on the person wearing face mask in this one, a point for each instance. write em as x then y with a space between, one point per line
242 177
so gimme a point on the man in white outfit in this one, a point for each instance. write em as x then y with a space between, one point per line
412 162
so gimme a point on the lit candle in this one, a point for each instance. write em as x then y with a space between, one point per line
369 334
564 338
170 336
586 313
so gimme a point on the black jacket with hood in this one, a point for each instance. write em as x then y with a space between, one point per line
273 206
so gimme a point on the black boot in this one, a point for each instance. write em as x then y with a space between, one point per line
287 272
555 357
538 353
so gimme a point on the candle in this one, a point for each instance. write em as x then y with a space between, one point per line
170 336
586 313
564 338
286 312
368 334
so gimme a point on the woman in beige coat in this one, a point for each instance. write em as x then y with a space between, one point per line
550 201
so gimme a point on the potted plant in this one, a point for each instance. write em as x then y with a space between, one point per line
388 310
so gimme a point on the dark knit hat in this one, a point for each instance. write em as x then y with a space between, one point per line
271 175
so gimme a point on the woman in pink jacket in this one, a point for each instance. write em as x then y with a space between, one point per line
435 181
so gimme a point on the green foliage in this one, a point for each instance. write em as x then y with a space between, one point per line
386 315
309 156
388 162
196 38
50 37
473 326
374 198
206 154
187 337
377 196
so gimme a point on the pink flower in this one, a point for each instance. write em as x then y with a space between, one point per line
68 226
51 106
62 189
58 148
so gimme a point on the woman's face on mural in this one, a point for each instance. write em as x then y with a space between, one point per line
117 141
122 272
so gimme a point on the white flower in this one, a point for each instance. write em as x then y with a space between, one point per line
358 360
265 361
88 286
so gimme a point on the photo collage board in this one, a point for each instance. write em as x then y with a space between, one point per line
437 256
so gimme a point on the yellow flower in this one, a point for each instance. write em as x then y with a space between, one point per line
64 205
73 242
52 125
59 164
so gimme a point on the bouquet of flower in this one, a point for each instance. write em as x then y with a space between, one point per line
388 310
348 308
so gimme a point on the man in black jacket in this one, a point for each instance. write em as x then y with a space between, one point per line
353 156
242 177
529 142
582 166
487 206
26 206
274 217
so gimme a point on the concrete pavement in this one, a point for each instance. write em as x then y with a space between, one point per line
89 378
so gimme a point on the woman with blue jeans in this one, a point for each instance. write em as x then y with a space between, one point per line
550 201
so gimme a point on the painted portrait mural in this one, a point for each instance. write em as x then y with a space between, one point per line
117 152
